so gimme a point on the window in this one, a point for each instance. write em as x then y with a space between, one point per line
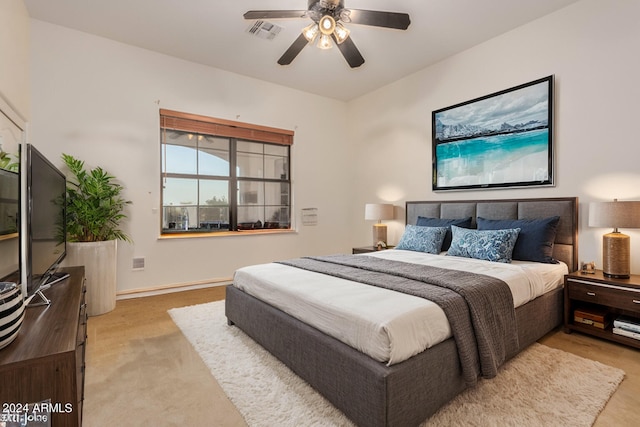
222 176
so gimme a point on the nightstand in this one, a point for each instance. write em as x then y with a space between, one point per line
367 249
600 295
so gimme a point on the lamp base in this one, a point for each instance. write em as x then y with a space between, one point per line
379 234
616 259
616 276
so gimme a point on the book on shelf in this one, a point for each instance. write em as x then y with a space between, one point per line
627 323
584 321
593 317
626 333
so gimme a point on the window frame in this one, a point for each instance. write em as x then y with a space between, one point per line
234 132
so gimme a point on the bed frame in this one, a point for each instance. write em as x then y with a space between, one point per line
371 393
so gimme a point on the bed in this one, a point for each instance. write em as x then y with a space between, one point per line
374 393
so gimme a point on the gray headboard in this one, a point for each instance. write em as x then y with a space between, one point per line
566 244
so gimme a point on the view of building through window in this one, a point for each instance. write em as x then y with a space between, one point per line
214 183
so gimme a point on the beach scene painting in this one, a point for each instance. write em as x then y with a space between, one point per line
500 140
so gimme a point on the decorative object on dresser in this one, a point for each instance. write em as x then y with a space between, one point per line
11 312
378 212
592 301
616 252
46 361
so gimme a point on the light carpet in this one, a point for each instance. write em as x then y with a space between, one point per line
541 386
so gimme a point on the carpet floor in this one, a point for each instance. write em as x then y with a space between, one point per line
541 386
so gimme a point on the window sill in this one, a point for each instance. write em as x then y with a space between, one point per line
173 236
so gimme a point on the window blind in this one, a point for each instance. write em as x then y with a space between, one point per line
187 122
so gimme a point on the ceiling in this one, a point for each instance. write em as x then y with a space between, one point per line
214 33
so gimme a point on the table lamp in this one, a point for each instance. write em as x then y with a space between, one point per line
616 247
378 212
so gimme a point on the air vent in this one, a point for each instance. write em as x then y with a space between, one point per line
138 264
264 30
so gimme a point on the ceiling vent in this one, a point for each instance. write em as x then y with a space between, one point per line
264 30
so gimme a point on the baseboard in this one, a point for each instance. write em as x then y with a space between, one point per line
176 287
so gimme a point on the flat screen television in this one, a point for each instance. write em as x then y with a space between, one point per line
42 224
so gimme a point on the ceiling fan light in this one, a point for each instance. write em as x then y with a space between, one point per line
345 15
311 32
325 42
327 24
341 33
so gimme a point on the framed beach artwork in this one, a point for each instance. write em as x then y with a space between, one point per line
496 141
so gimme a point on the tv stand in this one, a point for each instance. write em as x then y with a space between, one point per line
46 360
56 277
45 300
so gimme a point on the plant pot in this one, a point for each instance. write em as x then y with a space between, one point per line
99 260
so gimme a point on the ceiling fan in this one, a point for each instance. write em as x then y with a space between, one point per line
328 17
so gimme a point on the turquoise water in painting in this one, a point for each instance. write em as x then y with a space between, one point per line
509 158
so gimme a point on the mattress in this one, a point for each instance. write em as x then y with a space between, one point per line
388 326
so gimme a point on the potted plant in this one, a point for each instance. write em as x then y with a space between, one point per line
7 163
94 210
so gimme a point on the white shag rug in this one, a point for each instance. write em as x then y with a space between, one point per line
541 386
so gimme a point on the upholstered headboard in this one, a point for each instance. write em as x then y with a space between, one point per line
566 244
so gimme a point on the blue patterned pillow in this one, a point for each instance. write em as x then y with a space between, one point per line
490 245
422 239
443 222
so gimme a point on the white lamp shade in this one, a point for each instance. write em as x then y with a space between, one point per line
614 214
378 211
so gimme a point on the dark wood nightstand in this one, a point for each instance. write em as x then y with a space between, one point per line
595 293
367 249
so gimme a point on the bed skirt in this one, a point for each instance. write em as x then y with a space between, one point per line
369 392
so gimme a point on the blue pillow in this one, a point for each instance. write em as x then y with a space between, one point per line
490 245
422 239
443 222
535 241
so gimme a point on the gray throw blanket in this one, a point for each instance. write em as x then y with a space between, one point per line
479 308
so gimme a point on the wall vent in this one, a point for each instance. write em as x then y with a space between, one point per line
264 30
138 263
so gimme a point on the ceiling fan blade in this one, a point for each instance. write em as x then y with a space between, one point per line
293 51
399 21
274 14
350 52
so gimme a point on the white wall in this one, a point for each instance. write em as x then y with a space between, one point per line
14 90
14 51
98 100
592 49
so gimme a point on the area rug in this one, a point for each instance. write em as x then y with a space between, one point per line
541 386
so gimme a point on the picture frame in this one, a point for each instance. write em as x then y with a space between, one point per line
500 140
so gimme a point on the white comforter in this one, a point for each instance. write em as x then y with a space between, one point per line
388 326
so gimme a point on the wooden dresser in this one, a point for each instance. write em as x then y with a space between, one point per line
46 361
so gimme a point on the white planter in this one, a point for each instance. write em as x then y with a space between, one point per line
100 268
